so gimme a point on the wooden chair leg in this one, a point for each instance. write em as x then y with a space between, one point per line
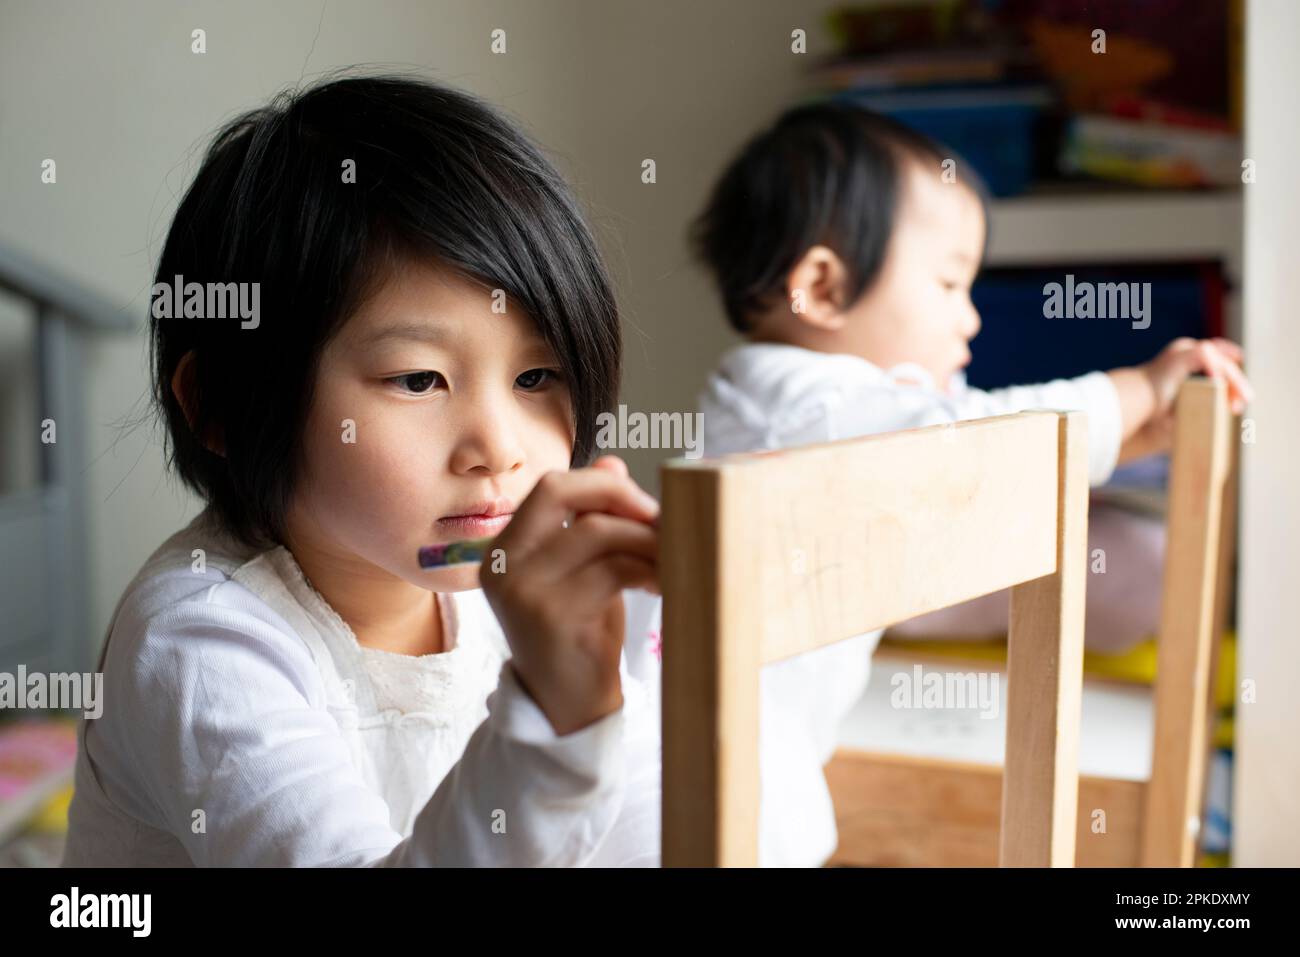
1040 791
1189 619
710 677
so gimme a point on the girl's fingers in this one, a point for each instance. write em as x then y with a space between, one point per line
559 494
611 463
591 537
598 582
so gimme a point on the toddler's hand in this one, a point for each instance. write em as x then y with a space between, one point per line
559 600
1217 358
1152 415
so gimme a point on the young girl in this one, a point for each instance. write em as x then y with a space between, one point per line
435 336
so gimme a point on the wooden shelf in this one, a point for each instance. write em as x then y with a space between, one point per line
1064 225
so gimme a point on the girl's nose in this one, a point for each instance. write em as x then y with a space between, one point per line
489 444
492 457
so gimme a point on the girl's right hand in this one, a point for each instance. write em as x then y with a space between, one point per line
559 599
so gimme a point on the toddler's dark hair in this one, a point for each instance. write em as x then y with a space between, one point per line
827 173
439 175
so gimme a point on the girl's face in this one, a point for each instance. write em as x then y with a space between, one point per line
433 417
918 309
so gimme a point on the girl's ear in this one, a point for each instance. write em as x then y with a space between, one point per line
817 289
185 389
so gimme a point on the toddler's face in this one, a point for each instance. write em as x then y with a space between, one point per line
456 412
919 308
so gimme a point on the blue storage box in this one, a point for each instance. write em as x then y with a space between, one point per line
991 128
1017 345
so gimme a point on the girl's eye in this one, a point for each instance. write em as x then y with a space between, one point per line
536 378
417 383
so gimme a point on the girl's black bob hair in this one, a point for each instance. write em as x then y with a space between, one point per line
439 175
827 172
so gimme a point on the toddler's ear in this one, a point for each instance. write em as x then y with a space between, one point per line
817 289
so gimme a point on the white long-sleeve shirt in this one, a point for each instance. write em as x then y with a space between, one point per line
244 725
770 396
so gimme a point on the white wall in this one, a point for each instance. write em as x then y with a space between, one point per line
1266 785
113 93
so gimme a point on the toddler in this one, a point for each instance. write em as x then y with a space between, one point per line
845 257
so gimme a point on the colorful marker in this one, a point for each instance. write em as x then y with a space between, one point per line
465 552
455 553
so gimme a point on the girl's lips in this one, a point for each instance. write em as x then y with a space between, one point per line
475 526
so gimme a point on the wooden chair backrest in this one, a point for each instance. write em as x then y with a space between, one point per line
772 554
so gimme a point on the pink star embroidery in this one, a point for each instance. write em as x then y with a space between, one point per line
656 644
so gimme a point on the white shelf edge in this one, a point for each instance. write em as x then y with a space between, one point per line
1040 229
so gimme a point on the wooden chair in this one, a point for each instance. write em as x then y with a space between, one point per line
894 808
770 555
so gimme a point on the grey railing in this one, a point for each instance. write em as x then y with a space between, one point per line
45 588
